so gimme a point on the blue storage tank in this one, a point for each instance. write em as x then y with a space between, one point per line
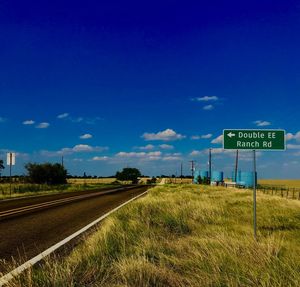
196 174
217 176
246 179
238 176
204 174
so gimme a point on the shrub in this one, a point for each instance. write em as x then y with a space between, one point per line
46 173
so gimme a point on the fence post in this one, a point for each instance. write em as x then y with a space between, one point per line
293 193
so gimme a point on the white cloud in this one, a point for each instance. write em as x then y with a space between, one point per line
43 125
171 158
82 148
166 135
218 140
86 148
2 120
293 146
29 122
206 99
138 154
208 136
208 107
76 149
166 146
297 136
290 136
142 156
195 153
244 155
195 137
130 154
152 158
63 116
260 123
100 158
216 151
86 136
147 147
154 153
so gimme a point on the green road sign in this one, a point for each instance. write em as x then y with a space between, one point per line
254 139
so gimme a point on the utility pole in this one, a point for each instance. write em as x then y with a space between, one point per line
236 165
62 161
181 172
209 163
193 166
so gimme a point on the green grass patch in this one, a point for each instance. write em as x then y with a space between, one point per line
185 236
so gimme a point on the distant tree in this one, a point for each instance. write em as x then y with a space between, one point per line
46 173
128 173
151 180
199 179
205 180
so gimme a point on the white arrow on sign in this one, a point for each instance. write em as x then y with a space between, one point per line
231 134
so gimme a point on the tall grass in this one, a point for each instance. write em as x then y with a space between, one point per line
185 236
24 189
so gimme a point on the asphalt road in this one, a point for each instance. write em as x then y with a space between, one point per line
24 236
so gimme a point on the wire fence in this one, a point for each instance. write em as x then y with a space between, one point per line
285 192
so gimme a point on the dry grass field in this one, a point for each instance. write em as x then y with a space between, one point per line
184 236
90 180
25 189
110 180
178 180
286 183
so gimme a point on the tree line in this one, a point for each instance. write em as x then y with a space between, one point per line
55 174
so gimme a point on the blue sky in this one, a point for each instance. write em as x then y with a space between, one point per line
110 84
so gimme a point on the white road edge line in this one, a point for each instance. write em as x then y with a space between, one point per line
9 276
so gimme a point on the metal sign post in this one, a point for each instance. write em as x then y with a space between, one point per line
11 160
234 139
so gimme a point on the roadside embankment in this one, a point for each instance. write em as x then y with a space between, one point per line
185 236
